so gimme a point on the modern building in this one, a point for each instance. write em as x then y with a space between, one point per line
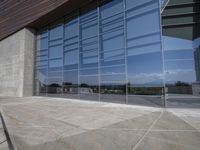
142 52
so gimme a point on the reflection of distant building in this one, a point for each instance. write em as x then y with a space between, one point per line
196 85
197 63
85 90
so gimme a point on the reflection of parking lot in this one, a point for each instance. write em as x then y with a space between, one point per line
172 101
183 101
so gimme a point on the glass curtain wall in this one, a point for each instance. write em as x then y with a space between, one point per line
181 43
109 50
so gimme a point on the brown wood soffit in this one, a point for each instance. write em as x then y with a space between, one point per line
17 14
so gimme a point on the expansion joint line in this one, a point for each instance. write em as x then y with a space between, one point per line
147 132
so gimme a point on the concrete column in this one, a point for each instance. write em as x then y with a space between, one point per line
17 64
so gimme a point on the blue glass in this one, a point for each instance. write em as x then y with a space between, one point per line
113 70
104 52
71 57
112 40
43 43
112 8
56 32
55 51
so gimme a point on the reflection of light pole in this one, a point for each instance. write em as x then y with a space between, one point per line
164 4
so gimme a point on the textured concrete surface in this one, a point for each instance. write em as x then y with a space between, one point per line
36 123
3 139
16 64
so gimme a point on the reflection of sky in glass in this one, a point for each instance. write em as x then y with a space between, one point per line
196 43
179 60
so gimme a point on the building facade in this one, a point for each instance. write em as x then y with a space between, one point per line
143 52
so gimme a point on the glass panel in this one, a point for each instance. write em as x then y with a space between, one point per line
54 86
88 21
57 63
71 26
89 87
113 92
111 8
181 55
144 54
71 57
112 41
41 82
113 70
86 55
56 32
43 43
70 84
55 51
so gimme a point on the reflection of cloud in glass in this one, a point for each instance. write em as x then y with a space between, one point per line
147 78
172 76
172 43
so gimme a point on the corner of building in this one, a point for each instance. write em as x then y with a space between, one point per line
17 64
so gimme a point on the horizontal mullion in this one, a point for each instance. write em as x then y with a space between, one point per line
103 19
57 58
113 29
88 21
73 37
89 50
69 44
142 14
144 45
106 32
143 36
181 5
180 15
52 40
167 60
180 25
141 5
111 50
81 40
70 50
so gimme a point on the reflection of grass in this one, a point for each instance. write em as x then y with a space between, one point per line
145 90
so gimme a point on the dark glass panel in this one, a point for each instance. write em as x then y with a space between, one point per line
54 86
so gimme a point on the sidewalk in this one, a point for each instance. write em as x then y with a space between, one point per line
3 140
36 123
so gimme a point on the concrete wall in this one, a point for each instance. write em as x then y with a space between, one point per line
17 63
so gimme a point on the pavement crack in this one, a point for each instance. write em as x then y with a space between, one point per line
141 139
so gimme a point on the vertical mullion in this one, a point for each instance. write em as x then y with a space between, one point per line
63 24
98 35
162 52
125 48
47 75
79 53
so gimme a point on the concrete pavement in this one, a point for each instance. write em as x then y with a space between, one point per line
36 123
